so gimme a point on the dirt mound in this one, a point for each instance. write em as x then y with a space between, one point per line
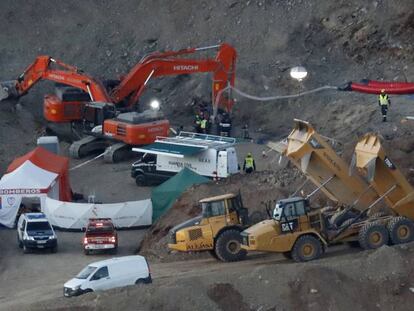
256 189
343 282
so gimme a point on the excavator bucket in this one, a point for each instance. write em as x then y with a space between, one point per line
383 174
315 157
8 90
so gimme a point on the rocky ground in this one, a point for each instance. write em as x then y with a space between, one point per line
336 41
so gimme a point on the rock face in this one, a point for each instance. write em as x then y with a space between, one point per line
336 41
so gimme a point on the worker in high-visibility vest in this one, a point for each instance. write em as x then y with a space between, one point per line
197 123
203 125
249 164
384 102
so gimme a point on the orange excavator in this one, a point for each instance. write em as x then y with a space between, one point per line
107 107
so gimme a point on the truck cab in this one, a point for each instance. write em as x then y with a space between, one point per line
217 229
294 230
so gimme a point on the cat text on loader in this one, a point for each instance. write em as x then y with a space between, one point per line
301 233
216 230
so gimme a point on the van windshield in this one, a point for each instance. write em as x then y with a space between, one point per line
85 273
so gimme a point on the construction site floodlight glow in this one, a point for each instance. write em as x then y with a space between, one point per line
155 104
298 73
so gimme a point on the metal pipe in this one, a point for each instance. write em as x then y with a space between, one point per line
207 47
320 187
149 76
364 212
89 92
300 188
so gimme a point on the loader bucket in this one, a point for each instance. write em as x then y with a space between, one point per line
8 90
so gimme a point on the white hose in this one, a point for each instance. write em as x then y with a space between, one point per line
88 161
268 98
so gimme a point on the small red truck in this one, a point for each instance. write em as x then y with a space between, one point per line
101 235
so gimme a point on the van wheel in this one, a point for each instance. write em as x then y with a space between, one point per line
373 235
228 246
139 281
140 180
307 247
86 251
88 290
401 230
114 250
54 249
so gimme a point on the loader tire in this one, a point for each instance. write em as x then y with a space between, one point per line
228 246
401 230
306 248
373 235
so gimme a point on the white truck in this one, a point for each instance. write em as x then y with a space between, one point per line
208 155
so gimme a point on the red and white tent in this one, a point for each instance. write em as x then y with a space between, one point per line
39 173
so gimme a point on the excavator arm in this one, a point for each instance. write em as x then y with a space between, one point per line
167 64
41 69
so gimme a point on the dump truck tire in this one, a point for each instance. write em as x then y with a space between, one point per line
373 235
401 230
306 248
339 218
228 246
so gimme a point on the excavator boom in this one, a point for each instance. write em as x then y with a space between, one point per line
41 69
166 64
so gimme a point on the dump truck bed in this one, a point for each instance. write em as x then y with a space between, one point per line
371 160
315 157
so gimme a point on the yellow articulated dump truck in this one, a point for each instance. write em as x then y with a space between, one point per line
216 230
303 234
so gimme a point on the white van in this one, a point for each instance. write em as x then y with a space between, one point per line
107 274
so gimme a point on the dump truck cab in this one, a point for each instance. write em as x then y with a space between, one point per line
217 229
295 230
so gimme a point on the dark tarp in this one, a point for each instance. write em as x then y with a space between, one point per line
164 196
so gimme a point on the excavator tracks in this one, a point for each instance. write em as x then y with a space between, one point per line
86 146
117 153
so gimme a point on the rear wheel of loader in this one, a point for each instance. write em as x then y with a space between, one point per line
373 235
228 246
213 254
287 255
307 247
401 230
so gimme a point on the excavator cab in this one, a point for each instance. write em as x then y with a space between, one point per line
217 229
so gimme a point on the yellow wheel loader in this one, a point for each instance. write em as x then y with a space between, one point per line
216 230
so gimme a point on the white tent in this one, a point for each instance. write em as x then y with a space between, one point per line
69 215
28 180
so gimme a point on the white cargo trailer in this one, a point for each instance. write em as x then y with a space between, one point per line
208 155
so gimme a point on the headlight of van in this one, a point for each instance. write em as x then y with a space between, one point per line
28 237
